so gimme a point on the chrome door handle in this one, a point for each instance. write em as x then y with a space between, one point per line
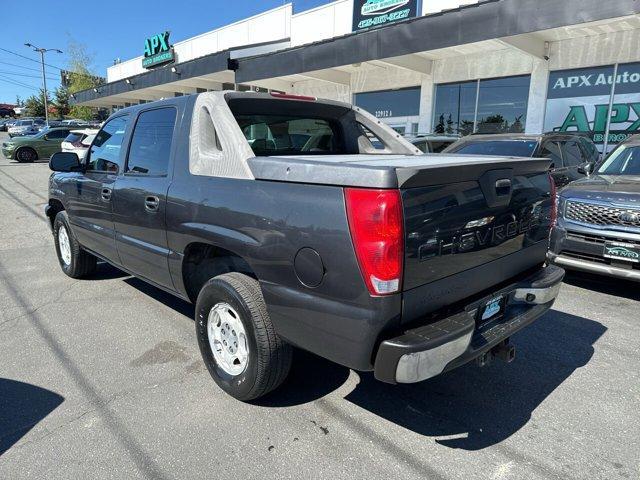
151 203
106 194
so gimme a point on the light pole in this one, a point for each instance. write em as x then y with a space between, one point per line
42 51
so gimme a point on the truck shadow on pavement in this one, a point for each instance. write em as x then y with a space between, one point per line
22 407
482 407
472 408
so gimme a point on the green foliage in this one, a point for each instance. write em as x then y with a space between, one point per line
80 77
34 105
62 101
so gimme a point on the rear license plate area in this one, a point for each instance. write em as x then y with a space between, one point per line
491 309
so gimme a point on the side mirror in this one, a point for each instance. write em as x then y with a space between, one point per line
65 162
586 168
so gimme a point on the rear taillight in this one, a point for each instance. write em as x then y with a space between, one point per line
375 222
553 216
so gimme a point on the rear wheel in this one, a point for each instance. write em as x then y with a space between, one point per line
74 261
239 345
26 155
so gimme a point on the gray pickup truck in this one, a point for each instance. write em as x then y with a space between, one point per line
290 221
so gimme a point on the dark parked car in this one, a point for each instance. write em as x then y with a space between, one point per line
571 154
376 258
599 218
7 112
434 143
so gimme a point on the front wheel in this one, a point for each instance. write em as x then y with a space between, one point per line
238 342
26 155
74 260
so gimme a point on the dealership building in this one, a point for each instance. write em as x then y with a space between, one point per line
436 66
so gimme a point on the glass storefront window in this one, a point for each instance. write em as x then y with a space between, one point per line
455 108
501 106
403 102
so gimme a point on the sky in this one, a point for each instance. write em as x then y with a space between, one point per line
108 30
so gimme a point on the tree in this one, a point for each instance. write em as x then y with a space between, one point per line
19 101
34 105
62 101
493 124
449 129
80 77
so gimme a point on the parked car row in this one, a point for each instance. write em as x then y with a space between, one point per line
17 127
47 142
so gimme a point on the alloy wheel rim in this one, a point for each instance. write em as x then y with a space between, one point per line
65 245
228 339
25 155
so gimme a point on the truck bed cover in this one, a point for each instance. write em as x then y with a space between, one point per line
386 171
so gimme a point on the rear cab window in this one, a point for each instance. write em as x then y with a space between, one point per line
275 127
290 135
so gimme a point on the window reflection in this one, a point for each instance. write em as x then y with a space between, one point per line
455 108
501 106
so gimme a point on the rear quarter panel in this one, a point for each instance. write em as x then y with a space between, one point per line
267 223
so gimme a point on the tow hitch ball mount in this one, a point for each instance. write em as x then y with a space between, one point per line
504 351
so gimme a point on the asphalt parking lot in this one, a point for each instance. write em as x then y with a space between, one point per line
102 378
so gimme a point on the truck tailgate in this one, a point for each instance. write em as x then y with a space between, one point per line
463 237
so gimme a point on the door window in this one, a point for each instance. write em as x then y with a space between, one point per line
104 154
590 150
552 150
572 154
55 134
151 142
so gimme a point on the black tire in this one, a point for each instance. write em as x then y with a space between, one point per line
26 155
269 358
81 263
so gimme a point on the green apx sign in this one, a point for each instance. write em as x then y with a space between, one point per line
157 50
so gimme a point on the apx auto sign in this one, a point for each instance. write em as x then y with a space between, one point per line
376 13
578 100
157 50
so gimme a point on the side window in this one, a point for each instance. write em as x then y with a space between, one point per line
58 134
590 149
572 154
151 142
551 150
104 154
437 147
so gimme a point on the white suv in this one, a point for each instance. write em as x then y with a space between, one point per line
79 141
